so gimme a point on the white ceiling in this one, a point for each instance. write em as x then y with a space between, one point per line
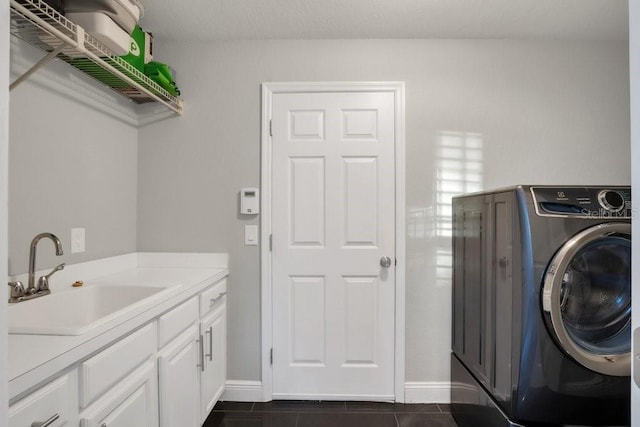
207 20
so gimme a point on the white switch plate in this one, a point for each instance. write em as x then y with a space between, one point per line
77 240
251 235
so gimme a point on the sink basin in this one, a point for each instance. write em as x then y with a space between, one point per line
76 311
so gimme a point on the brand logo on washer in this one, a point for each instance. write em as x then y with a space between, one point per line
604 213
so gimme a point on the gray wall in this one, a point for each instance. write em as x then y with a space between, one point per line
70 166
544 112
530 112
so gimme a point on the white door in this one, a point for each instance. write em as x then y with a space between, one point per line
333 221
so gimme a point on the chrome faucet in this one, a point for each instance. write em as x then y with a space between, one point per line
18 292
32 258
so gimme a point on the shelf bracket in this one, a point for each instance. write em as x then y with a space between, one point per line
35 67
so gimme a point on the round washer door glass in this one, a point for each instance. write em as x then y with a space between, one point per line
587 293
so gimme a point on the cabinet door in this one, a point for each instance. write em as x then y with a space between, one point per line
178 369
56 401
133 402
214 335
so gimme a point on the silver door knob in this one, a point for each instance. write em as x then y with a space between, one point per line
385 262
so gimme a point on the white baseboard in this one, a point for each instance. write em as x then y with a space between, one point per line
242 391
427 392
414 392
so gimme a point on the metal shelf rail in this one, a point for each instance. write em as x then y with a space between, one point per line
40 25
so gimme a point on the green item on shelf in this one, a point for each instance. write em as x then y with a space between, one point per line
155 67
161 74
136 53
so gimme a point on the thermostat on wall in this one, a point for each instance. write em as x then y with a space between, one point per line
249 201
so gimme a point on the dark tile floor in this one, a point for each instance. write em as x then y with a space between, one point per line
287 413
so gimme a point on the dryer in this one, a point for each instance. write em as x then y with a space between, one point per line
541 332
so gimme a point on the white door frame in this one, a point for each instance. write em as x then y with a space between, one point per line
4 186
268 90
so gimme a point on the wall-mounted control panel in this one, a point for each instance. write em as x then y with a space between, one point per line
249 201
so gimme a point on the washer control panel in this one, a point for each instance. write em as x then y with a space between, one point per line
587 202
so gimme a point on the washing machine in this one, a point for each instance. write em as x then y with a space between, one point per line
541 330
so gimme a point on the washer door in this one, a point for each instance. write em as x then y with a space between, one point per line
587 297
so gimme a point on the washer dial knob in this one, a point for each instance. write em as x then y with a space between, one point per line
611 200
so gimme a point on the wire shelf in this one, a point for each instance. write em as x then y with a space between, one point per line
42 26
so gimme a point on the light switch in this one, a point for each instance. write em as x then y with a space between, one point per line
251 235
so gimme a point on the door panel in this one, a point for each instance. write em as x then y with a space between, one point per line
333 220
307 320
361 201
361 322
306 189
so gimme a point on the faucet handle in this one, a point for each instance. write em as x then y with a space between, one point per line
43 281
17 290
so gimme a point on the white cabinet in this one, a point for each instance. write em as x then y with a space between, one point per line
112 365
192 367
169 372
213 335
213 375
172 324
179 382
178 367
56 402
133 402
119 385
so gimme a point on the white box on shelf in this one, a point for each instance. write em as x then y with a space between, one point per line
104 29
125 13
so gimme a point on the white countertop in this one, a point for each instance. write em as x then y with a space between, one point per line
34 358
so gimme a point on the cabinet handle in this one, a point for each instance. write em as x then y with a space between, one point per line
46 423
218 298
201 355
210 332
